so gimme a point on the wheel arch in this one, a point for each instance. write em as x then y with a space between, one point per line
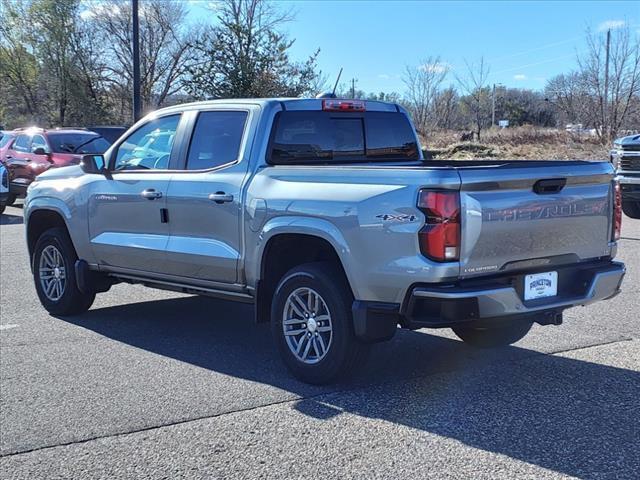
284 248
40 220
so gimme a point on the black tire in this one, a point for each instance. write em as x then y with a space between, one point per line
2 207
631 209
11 199
494 336
343 352
72 301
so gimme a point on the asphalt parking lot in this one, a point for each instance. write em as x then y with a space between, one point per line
158 385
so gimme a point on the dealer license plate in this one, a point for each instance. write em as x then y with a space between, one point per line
540 285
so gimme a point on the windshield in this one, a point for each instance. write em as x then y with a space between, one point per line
78 143
301 137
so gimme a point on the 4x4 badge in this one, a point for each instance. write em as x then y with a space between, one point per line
396 218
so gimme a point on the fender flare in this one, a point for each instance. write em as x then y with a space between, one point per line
300 225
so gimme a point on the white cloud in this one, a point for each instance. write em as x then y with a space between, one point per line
519 76
384 76
435 67
611 25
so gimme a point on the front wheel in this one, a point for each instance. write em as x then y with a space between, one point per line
631 209
54 274
494 336
312 325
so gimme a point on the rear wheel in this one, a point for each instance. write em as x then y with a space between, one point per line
54 274
631 209
494 336
312 325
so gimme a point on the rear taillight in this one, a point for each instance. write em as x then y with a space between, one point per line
617 211
440 237
343 105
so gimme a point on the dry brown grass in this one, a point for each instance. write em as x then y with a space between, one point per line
519 143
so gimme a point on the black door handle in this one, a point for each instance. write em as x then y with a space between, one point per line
551 185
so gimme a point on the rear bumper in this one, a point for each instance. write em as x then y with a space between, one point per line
441 306
19 188
486 301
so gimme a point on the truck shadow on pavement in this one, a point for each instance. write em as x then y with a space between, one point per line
570 416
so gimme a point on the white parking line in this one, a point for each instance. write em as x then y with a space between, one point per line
7 326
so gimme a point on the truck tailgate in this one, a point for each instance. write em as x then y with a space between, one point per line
528 216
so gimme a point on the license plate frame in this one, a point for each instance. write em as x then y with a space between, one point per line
540 285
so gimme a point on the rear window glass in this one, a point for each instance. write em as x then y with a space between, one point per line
328 137
77 143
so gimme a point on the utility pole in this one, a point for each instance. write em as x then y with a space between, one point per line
493 106
605 102
353 88
135 47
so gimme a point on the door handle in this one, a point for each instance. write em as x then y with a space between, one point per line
548 186
151 194
8 157
221 197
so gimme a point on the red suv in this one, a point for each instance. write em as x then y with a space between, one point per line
34 150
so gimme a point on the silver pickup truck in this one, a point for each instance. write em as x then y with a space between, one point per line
625 157
324 215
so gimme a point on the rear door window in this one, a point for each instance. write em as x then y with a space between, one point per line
38 141
22 143
216 139
327 137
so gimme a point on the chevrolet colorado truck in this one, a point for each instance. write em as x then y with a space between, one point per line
625 157
323 214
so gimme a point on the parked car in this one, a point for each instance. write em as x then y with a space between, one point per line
625 156
5 143
110 133
324 215
35 150
4 188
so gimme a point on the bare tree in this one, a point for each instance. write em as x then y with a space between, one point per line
566 93
447 105
477 93
423 85
607 113
165 46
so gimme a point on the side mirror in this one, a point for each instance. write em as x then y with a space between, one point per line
39 151
94 164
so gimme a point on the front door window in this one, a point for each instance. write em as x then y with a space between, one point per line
149 147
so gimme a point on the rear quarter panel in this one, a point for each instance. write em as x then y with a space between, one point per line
368 214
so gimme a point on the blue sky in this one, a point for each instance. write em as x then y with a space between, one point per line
525 43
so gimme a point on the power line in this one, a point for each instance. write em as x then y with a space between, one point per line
535 63
544 47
